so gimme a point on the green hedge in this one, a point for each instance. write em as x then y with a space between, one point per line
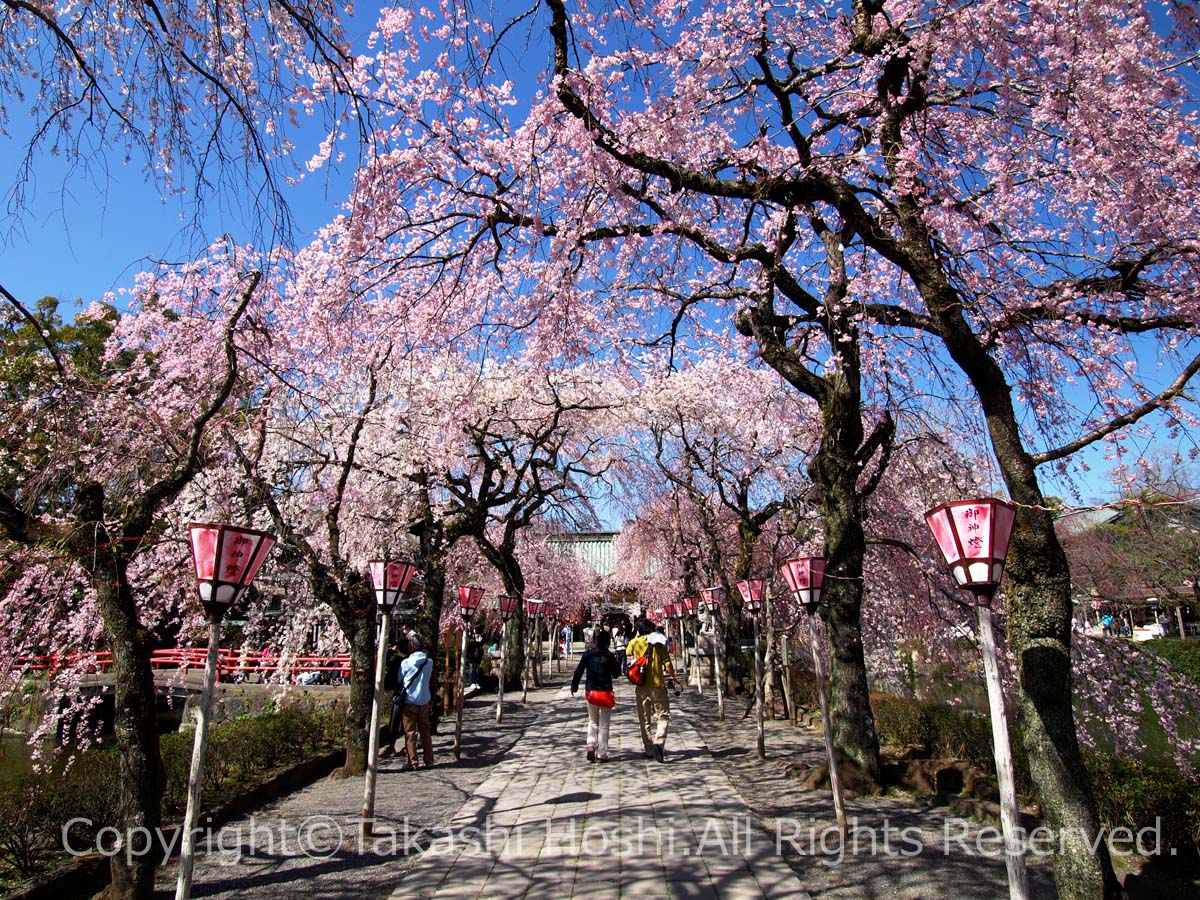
1135 795
1128 793
34 810
1182 654
944 731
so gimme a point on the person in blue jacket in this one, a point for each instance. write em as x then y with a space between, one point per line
415 674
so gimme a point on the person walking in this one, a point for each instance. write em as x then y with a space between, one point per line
653 705
566 634
474 658
416 672
600 665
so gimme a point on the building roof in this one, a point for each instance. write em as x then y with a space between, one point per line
593 548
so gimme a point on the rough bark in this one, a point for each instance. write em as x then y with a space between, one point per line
142 778
1038 593
835 474
835 470
356 614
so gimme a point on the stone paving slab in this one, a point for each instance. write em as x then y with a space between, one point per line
547 823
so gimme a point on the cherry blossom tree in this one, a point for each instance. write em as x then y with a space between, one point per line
873 192
524 450
128 440
300 458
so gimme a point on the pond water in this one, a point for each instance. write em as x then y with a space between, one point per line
16 756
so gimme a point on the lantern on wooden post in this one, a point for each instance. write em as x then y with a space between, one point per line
805 577
390 579
469 598
752 596
712 597
225 560
507 606
691 607
532 611
973 537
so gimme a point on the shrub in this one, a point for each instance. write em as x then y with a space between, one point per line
901 721
34 812
25 840
804 688
1134 795
947 731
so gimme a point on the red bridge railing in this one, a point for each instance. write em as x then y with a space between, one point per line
232 665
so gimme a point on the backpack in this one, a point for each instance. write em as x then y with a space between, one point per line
638 668
636 672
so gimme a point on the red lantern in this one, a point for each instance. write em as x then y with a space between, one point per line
508 606
391 580
712 597
973 537
469 597
805 577
752 594
691 604
226 559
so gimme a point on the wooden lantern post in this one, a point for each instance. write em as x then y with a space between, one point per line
712 599
691 606
973 537
390 580
225 559
469 598
805 578
507 605
752 595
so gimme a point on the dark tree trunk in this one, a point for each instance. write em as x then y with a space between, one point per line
430 616
835 472
504 561
358 624
142 778
1038 592
514 651
429 620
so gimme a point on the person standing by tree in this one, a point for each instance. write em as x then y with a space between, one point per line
474 659
653 705
600 665
416 672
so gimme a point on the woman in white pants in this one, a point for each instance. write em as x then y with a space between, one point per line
600 666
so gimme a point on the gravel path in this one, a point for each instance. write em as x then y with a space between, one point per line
912 859
262 854
306 844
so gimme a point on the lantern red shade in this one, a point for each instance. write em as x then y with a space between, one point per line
508 605
752 593
711 597
973 536
805 577
469 598
226 559
691 604
391 580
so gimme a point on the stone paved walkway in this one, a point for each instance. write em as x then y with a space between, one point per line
547 823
